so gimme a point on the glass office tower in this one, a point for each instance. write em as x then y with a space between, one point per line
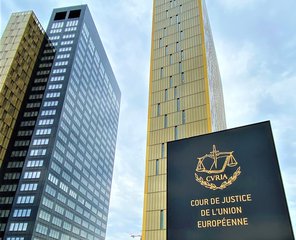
185 95
63 190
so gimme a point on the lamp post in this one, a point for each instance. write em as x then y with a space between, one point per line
136 236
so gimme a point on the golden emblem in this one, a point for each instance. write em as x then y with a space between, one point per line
215 170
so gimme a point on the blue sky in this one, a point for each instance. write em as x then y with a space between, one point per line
256 48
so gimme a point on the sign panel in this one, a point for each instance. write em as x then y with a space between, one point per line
226 186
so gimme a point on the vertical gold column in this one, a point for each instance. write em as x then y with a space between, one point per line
179 101
19 48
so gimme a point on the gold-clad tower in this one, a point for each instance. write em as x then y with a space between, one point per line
185 96
19 48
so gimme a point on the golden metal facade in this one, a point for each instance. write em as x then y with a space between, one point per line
19 48
185 96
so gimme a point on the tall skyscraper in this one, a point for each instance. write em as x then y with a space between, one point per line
56 175
19 47
185 95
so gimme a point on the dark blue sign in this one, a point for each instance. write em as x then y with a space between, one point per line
226 186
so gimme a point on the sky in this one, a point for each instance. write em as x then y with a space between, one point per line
255 43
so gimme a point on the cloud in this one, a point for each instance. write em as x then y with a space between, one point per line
257 89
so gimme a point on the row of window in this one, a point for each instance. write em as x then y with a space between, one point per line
22 213
18 227
25 199
28 187
43 131
32 175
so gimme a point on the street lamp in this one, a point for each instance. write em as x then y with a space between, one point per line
136 236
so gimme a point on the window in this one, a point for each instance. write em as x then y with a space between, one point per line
25 133
15 164
161 72
35 163
178 104
177 46
70 29
161 219
27 123
165 95
57 78
65 49
176 132
180 67
43 131
171 58
183 117
74 14
165 121
48 112
15 238
60 16
175 92
33 105
160 42
18 227
162 150
40 141
8 188
56 221
11 176
66 43
4 213
55 86
48 203
62 56
182 77
19 153
32 175
53 95
181 35
54 234
44 215
40 80
53 179
166 50
22 213
29 187
158 109
38 152
50 190
21 143
41 229
45 122
6 200
36 96
31 114
157 167
25 200
66 36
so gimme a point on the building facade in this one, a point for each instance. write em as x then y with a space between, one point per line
185 95
63 187
19 48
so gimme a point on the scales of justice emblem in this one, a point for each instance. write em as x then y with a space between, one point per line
217 170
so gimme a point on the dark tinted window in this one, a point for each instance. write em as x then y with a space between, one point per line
74 14
60 15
